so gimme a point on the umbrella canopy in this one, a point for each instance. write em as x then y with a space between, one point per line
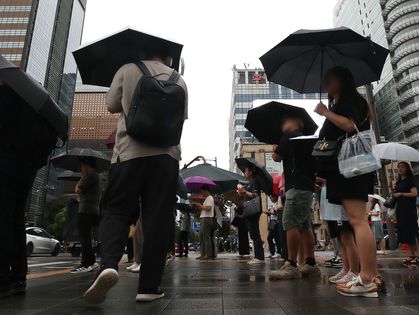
224 179
378 197
397 152
300 61
35 95
69 176
100 60
261 174
110 142
194 183
70 160
181 188
264 122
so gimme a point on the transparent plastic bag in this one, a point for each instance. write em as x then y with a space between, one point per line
358 156
330 211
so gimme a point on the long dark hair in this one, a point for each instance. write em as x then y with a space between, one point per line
373 203
348 93
409 172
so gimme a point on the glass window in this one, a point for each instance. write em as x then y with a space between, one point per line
242 77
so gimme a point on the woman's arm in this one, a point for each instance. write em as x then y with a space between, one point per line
339 121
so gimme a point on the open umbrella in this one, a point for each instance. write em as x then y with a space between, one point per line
378 197
224 179
35 95
300 61
70 160
69 176
397 152
264 122
194 183
100 60
261 174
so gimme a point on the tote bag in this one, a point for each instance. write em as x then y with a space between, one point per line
251 207
330 211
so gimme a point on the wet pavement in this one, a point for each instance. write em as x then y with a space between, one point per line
225 286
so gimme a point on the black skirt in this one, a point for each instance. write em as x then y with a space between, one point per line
357 188
407 221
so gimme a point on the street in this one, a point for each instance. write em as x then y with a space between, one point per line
224 286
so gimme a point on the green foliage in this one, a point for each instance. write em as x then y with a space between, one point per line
57 227
54 206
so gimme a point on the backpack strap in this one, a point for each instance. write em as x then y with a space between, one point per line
174 77
143 68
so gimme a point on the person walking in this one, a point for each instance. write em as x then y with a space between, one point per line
139 170
26 140
206 222
251 191
88 191
137 243
406 193
299 190
185 228
377 225
274 237
347 109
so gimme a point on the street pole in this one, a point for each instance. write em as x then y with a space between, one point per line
382 175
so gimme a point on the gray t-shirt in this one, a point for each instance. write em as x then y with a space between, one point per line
90 194
119 100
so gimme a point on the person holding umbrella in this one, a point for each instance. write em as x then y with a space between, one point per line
206 221
299 190
349 108
405 192
141 167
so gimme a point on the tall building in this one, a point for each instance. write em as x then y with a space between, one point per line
39 36
91 123
250 85
393 24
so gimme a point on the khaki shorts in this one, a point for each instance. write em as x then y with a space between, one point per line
297 210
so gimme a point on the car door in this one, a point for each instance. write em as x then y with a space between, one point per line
41 243
47 241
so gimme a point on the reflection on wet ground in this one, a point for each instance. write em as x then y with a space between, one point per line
225 286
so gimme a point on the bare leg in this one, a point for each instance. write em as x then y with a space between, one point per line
364 238
293 242
345 263
351 251
307 240
383 245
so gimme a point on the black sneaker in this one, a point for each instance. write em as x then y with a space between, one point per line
149 295
337 263
18 288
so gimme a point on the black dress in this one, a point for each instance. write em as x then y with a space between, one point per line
407 216
339 187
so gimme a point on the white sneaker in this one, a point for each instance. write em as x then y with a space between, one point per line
79 269
149 297
255 261
339 276
136 269
350 276
93 267
276 256
104 282
133 266
269 256
356 287
381 252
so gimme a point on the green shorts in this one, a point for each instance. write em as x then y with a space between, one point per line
297 209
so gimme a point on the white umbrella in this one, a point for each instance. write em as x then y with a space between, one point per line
378 197
397 152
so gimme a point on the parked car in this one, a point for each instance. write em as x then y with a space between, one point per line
39 241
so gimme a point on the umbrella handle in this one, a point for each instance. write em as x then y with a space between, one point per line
321 73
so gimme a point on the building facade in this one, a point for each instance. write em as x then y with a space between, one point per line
393 24
250 85
39 36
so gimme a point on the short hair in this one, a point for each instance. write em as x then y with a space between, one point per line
297 119
154 49
205 188
88 160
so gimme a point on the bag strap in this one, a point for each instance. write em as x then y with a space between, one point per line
143 68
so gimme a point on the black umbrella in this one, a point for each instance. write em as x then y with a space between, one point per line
300 61
181 188
35 95
70 160
99 61
264 122
261 174
224 179
69 176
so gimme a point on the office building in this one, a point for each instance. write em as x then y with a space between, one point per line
250 85
39 36
393 24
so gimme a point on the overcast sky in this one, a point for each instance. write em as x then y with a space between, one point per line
216 35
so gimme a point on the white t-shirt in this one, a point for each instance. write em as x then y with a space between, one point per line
209 201
375 217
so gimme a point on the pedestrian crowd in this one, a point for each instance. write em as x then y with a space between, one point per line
136 210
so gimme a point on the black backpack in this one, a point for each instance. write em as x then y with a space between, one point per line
157 111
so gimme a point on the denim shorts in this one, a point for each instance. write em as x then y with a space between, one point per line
297 210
